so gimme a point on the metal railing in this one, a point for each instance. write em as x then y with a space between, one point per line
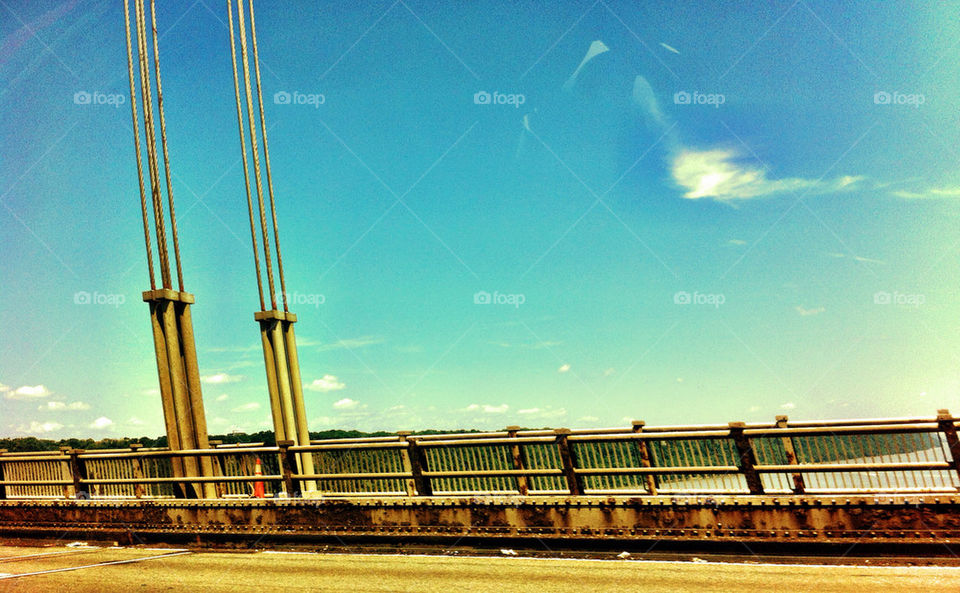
892 455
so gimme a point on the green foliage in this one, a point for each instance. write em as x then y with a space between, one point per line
266 437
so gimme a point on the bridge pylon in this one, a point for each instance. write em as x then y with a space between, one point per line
277 335
170 316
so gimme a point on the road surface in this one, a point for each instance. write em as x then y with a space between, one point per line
92 569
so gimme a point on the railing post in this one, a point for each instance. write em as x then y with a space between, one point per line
66 474
288 466
519 461
78 472
409 484
649 480
949 430
747 457
416 458
218 469
568 462
798 486
138 489
3 487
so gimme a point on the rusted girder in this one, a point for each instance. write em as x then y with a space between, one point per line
822 519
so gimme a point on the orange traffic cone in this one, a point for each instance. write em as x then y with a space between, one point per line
258 489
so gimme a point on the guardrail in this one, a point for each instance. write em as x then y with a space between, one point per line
891 455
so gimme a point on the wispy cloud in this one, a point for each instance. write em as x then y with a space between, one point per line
28 392
326 383
247 407
220 378
804 312
596 48
487 408
41 427
788 406
58 406
669 48
720 174
222 397
543 413
933 193
563 368
352 343
646 99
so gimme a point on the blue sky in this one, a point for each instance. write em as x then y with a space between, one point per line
683 212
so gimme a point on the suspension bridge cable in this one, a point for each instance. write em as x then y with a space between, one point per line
163 142
253 146
150 132
266 158
243 151
136 142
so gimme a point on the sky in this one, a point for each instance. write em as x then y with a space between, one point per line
497 213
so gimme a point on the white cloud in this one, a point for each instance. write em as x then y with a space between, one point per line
136 421
29 392
221 378
41 427
345 404
153 391
543 413
788 406
718 174
101 423
564 368
247 407
222 397
487 408
588 419
4 388
596 48
56 406
806 312
326 383
930 193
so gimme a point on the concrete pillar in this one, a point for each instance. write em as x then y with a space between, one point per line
180 391
284 385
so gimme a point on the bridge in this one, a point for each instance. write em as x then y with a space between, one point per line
885 481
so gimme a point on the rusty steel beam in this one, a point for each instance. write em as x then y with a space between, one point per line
900 520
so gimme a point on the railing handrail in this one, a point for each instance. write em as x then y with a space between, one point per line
646 460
